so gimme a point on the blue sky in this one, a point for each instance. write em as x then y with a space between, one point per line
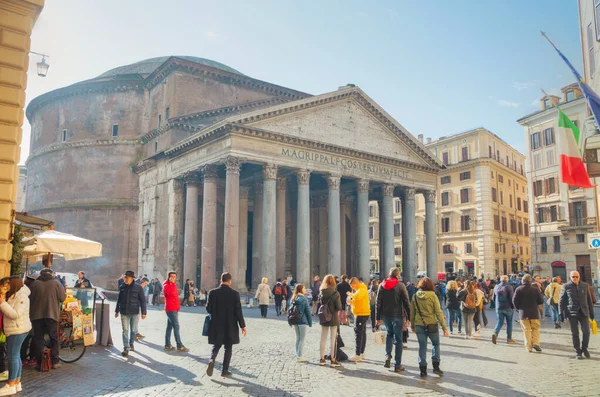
438 67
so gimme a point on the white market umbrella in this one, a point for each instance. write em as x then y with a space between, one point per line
68 245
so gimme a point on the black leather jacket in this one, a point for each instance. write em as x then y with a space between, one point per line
575 300
131 300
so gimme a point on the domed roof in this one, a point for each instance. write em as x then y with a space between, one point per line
148 66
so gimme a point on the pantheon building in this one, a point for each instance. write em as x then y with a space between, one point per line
185 164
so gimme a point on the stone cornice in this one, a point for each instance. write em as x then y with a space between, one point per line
481 161
79 144
354 93
84 206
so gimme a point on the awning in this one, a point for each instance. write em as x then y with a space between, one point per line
558 264
31 223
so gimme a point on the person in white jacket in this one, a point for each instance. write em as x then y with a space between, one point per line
15 311
263 294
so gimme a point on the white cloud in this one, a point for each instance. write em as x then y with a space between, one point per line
211 34
523 85
508 104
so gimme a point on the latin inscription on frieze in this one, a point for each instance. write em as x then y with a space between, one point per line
345 163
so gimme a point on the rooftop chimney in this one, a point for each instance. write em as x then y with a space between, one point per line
420 136
428 140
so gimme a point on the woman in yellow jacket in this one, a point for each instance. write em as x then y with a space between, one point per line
361 309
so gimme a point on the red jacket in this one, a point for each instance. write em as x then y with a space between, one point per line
171 296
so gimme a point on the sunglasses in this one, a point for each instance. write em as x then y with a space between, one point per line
574 276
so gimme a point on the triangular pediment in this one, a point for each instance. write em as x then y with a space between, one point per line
345 118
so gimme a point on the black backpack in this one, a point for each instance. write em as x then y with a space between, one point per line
294 316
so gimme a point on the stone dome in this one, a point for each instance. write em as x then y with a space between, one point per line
148 66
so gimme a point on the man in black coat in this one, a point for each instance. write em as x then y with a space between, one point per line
526 300
575 303
226 315
129 304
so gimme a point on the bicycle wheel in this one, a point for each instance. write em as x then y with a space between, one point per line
71 350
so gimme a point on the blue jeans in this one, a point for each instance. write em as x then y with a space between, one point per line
393 325
554 313
300 336
504 315
130 325
422 336
455 314
13 347
173 324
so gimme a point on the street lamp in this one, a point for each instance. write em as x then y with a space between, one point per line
42 66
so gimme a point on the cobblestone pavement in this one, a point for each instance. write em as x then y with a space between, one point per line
264 365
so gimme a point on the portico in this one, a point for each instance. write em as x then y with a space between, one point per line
284 191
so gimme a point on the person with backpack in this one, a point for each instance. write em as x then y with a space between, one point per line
330 304
263 295
425 318
300 318
359 303
527 299
552 292
468 299
287 295
278 294
503 299
392 309
453 306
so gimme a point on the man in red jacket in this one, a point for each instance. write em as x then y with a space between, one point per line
172 308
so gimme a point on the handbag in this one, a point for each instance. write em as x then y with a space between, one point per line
594 327
2 336
206 326
379 337
430 328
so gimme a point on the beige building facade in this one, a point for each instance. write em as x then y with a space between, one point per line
481 208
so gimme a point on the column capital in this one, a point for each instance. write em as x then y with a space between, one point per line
362 185
210 171
258 189
388 190
281 183
429 196
244 190
233 164
333 182
270 171
191 178
303 177
409 193
178 183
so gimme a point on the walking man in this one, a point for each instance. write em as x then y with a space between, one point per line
278 294
45 298
527 300
576 305
131 300
392 298
315 294
172 307
503 300
552 292
226 318
359 301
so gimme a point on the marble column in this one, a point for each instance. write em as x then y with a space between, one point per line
280 220
209 229
257 234
431 235
190 242
243 240
362 229
303 228
387 218
333 217
269 224
175 228
231 233
409 236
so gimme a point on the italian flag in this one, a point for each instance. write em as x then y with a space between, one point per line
572 168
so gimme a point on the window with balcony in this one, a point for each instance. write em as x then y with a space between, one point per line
556 243
543 245
445 225
445 199
465 223
445 180
577 213
468 248
551 185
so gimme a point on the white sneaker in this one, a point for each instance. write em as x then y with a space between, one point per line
19 387
8 390
362 357
476 334
301 360
355 358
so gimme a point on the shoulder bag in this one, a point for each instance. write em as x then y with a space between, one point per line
430 328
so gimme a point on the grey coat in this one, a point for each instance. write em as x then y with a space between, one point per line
45 299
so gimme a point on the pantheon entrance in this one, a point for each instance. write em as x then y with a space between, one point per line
284 191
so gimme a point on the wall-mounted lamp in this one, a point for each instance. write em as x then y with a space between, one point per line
42 66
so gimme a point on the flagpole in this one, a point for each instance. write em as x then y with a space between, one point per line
549 41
